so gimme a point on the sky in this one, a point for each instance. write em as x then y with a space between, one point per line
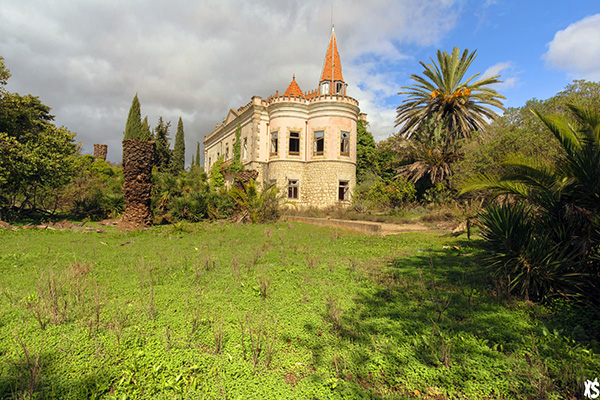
86 59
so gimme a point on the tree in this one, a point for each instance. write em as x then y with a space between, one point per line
197 163
365 149
431 154
36 157
133 127
178 162
4 74
236 163
442 95
146 133
162 151
520 134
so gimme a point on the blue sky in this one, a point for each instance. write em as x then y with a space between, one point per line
196 59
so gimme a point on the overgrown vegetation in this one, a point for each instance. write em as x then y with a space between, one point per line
275 311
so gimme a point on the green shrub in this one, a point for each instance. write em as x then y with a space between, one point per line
388 196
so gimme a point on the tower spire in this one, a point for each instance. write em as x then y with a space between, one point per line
332 69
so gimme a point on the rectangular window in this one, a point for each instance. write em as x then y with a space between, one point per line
274 143
345 144
294 148
245 155
319 143
226 153
343 192
292 189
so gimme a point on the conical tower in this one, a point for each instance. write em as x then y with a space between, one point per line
332 81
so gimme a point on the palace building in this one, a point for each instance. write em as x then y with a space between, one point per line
303 142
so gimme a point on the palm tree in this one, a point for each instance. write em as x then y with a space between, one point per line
431 154
442 94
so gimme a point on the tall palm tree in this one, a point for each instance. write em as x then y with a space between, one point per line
442 94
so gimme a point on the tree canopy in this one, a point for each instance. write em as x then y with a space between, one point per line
443 94
133 127
36 157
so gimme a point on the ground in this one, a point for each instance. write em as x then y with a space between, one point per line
286 310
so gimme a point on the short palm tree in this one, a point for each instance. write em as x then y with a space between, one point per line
564 203
442 94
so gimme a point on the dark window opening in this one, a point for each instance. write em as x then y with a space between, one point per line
343 191
319 143
294 143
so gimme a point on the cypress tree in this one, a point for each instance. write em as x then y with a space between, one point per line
197 154
178 163
146 134
163 153
133 127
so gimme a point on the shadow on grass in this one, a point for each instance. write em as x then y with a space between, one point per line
30 376
429 320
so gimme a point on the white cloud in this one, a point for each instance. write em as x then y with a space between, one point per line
507 72
86 60
576 49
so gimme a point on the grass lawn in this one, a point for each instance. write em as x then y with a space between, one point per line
270 312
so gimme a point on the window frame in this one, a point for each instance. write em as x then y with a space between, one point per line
345 140
274 143
293 189
343 190
296 140
316 141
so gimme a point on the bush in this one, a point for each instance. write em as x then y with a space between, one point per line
387 196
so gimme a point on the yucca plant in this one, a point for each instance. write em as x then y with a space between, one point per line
564 201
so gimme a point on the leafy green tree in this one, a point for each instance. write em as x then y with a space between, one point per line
178 162
443 95
4 74
365 150
23 117
162 150
133 127
36 157
519 133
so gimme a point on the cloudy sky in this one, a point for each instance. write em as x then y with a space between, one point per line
196 59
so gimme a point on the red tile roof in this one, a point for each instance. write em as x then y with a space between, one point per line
332 68
294 89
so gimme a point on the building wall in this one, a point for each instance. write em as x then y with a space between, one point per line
318 175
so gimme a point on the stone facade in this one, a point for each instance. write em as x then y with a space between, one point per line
305 143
